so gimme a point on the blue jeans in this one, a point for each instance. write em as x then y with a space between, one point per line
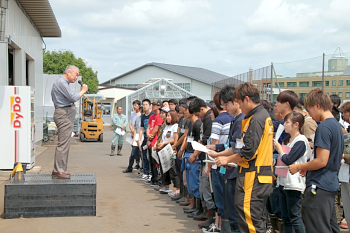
290 203
133 156
218 188
192 176
145 160
229 200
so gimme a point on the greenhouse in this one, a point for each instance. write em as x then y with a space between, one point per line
158 88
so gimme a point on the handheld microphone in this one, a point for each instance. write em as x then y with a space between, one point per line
81 84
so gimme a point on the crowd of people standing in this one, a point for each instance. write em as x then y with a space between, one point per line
251 179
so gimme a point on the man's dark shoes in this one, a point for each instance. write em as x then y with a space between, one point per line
60 175
127 170
137 167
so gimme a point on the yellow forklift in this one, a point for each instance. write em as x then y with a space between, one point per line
91 122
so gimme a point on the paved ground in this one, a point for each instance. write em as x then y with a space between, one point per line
124 203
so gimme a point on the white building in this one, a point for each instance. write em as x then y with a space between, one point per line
23 25
112 94
195 80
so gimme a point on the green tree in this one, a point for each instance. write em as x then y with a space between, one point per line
56 62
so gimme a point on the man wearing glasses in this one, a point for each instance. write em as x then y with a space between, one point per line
63 98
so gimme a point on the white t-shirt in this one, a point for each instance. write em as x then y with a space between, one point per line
168 132
133 120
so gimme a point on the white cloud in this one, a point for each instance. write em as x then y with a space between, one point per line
280 17
70 32
330 30
228 61
152 15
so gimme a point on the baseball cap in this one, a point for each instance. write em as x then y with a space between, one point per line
157 102
165 109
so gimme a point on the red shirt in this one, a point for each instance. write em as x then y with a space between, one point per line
153 121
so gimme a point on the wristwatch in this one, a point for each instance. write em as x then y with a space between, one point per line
181 150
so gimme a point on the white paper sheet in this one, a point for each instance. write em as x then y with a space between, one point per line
279 132
312 137
199 147
119 131
128 138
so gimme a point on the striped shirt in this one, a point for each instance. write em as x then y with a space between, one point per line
61 94
221 127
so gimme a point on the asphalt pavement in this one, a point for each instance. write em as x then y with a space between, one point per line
124 202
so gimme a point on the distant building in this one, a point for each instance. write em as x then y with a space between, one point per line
192 79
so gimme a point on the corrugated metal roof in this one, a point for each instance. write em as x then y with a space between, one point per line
40 12
199 74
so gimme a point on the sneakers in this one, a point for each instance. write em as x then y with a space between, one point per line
144 177
149 178
137 167
173 194
154 184
165 190
212 228
148 182
157 188
127 170
344 224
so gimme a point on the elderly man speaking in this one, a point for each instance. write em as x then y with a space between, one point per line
63 98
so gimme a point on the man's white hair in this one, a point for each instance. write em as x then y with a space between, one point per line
71 68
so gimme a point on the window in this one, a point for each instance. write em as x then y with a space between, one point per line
301 95
303 84
334 82
291 84
280 83
106 109
347 94
186 86
327 83
334 93
128 85
340 94
340 82
347 82
316 83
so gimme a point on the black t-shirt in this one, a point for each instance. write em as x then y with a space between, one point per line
184 124
144 123
194 131
329 136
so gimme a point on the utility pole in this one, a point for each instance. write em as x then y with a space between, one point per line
323 72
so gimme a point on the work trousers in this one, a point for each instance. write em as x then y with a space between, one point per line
64 119
117 139
133 155
204 189
250 201
290 203
218 188
319 211
229 200
171 175
145 160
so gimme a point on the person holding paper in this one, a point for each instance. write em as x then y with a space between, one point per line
119 124
309 127
227 149
199 108
146 104
134 125
286 101
169 136
192 169
295 150
154 122
182 131
322 180
253 154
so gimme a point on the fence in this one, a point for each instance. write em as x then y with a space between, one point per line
328 72
260 77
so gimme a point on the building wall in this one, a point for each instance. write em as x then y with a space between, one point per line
200 89
27 45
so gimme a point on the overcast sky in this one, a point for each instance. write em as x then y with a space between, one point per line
224 36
